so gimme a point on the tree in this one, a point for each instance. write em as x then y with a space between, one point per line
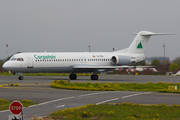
165 62
155 62
11 56
177 59
1 63
174 66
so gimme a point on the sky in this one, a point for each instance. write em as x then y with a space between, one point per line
73 25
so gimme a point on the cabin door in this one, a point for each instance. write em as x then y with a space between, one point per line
30 61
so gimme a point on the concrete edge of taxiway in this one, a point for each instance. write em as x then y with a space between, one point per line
22 85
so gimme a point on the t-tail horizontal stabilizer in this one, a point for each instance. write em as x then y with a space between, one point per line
151 33
140 41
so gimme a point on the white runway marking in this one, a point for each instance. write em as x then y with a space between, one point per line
107 101
60 106
135 95
32 106
56 100
52 101
122 97
92 94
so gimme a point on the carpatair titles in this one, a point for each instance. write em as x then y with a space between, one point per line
45 57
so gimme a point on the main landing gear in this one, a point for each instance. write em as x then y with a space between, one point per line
72 76
94 77
20 77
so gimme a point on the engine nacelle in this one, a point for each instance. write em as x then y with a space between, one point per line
121 60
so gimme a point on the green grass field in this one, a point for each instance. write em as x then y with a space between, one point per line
149 86
124 111
4 104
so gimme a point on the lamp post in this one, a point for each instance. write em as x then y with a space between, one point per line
164 55
89 48
113 49
6 50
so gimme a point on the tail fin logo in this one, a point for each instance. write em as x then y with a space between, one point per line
139 44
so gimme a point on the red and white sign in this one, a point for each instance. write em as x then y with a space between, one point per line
15 107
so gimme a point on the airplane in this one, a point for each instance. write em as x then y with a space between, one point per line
80 62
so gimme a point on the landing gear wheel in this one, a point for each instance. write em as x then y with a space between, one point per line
73 76
94 77
20 77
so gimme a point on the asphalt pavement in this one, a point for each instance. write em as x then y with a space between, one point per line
48 99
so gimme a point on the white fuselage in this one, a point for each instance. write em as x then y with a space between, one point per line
65 61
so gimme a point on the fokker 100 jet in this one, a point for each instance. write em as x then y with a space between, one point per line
80 62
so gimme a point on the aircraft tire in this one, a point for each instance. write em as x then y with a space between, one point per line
20 77
73 76
94 77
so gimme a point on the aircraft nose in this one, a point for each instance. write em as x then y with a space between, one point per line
5 66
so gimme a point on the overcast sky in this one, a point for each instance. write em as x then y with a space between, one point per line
72 25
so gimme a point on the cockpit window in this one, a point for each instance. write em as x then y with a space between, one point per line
17 59
20 59
13 59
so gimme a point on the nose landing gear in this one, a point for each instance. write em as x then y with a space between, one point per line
94 77
20 77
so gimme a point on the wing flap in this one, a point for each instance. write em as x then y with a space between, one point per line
107 67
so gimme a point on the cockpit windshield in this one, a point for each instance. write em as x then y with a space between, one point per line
16 59
13 59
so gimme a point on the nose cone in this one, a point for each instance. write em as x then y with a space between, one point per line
5 66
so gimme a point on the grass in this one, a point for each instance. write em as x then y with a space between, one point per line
123 111
4 104
47 74
149 86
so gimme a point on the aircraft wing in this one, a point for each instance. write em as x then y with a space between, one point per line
104 68
107 67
